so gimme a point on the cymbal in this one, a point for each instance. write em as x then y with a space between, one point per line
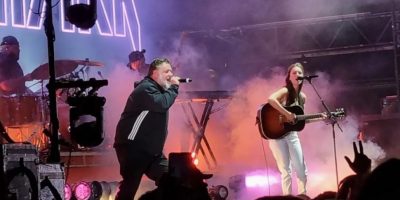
62 67
88 63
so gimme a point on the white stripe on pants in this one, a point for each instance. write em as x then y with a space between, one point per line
288 151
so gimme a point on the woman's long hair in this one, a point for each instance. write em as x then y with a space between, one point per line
292 96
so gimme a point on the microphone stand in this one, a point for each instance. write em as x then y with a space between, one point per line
333 121
54 154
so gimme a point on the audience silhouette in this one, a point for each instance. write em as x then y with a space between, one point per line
380 183
349 187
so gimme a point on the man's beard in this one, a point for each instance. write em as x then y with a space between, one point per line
9 56
163 82
167 85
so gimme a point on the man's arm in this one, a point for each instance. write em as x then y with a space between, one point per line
13 84
157 101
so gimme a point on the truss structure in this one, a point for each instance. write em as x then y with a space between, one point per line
325 36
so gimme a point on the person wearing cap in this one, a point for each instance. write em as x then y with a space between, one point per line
137 62
184 181
12 80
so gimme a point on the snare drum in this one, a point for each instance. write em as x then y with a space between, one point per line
19 110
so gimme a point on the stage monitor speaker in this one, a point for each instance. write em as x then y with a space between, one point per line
19 173
52 181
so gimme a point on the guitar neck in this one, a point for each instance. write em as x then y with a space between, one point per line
306 117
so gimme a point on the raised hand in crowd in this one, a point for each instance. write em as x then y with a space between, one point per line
361 163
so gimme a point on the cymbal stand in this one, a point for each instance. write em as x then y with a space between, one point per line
43 105
86 69
54 154
333 121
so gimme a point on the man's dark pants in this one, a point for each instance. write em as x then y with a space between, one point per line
133 164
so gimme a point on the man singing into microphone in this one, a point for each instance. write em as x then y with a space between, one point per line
142 129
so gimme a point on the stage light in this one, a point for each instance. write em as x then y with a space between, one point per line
260 180
114 188
218 192
83 16
237 182
196 161
101 190
67 192
97 190
86 120
82 191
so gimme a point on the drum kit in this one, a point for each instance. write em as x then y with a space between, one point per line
26 116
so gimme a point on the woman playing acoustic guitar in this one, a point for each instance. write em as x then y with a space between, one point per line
287 149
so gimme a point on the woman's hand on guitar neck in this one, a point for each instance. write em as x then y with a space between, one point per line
333 116
322 117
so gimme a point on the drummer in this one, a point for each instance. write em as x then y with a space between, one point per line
137 62
12 80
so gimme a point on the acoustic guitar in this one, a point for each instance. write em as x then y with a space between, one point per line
273 125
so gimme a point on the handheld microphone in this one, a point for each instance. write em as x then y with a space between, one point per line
185 80
307 77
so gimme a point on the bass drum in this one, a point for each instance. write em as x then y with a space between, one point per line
32 133
20 110
66 143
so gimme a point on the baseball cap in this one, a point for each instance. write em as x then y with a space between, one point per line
9 40
136 55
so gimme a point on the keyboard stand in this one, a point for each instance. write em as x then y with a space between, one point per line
198 128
